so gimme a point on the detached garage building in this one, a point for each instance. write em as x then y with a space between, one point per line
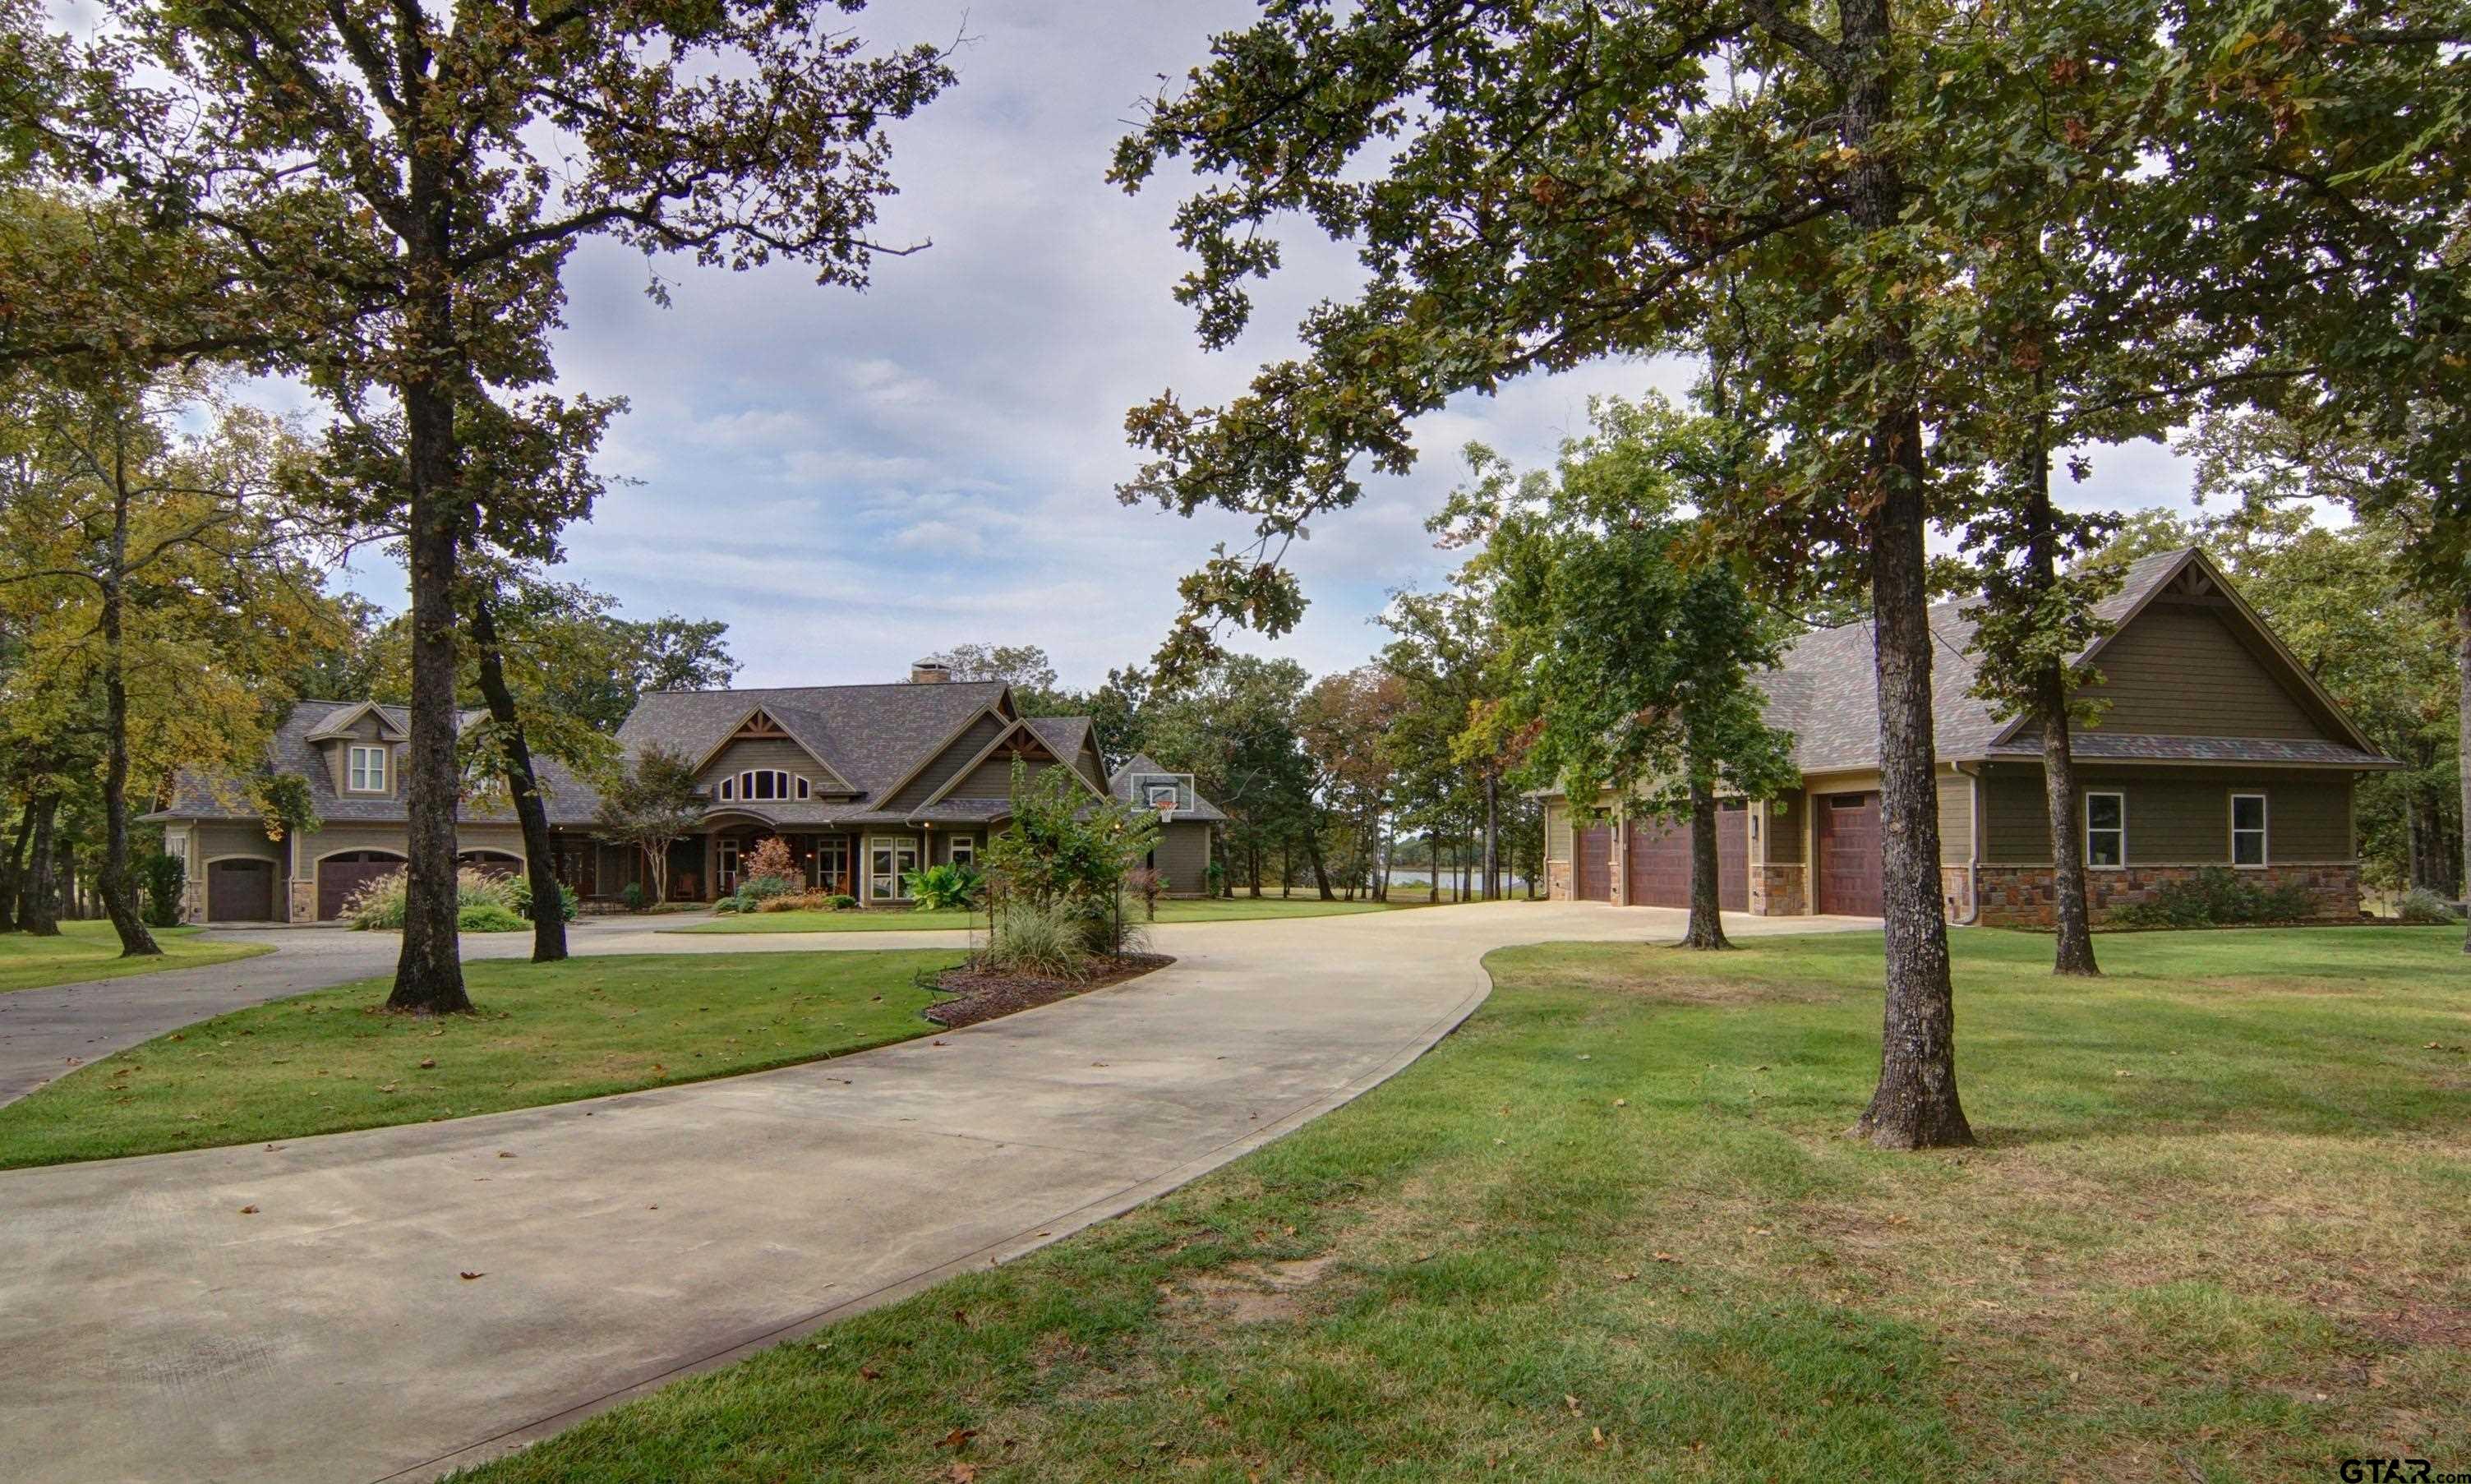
350 754
2214 748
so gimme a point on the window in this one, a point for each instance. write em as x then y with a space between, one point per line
832 863
889 859
964 849
369 773
2107 829
763 783
2247 829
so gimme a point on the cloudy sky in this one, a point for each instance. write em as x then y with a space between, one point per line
852 481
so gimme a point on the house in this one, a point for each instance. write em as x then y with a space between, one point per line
865 782
2214 748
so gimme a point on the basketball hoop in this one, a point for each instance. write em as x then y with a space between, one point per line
1167 814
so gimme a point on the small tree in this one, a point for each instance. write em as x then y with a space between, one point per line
1066 848
651 805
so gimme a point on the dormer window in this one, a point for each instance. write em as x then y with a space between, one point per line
368 769
763 783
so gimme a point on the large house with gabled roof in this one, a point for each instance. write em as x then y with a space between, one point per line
2214 746
864 783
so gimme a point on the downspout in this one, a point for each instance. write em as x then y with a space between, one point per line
1972 848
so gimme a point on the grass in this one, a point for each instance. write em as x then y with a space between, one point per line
91 951
545 1033
1174 910
1609 1231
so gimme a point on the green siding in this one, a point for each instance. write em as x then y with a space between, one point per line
2176 816
1955 820
951 760
2178 670
1183 856
1556 830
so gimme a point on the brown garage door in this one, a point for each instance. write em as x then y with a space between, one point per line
1591 868
341 876
240 891
1847 836
1658 859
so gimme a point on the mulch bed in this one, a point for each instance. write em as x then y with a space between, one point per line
985 994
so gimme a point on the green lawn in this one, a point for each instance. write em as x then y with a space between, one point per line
91 951
545 1033
884 920
1609 1231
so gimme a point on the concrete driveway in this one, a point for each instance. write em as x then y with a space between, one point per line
150 1330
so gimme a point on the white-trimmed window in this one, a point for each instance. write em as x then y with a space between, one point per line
889 859
2247 829
2105 830
368 769
964 849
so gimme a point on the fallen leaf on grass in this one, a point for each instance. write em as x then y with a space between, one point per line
868 1373
963 1473
1665 1257
958 1438
428 1062
1570 1402
1621 1103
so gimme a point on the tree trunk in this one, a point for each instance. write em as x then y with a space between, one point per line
1707 928
12 869
429 973
2462 724
1313 858
1916 1105
2073 954
540 858
119 884
39 902
1492 836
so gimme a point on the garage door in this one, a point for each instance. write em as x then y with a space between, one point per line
240 891
1846 836
338 876
1658 859
1591 868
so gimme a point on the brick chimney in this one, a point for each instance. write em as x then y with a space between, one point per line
929 672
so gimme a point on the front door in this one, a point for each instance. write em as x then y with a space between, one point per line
725 871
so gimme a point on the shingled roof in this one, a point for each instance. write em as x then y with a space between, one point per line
293 749
874 736
1827 695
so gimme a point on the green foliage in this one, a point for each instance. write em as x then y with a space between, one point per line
947 887
632 897
519 899
651 803
480 896
164 876
754 892
284 802
2215 896
1044 938
1064 856
488 917
2419 905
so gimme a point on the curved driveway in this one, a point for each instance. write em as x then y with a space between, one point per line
150 1330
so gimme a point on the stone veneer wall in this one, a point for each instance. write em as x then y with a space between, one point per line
1956 886
1557 880
2020 896
1776 891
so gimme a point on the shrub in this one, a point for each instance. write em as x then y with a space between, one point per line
633 898
1049 938
379 904
727 905
764 887
2419 905
2215 896
769 857
798 901
943 888
519 898
841 902
487 917
164 876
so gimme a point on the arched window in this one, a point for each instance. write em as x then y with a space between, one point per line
764 783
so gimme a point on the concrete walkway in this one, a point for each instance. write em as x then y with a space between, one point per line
151 1330
45 1033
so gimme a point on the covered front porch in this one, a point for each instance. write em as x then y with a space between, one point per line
871 863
